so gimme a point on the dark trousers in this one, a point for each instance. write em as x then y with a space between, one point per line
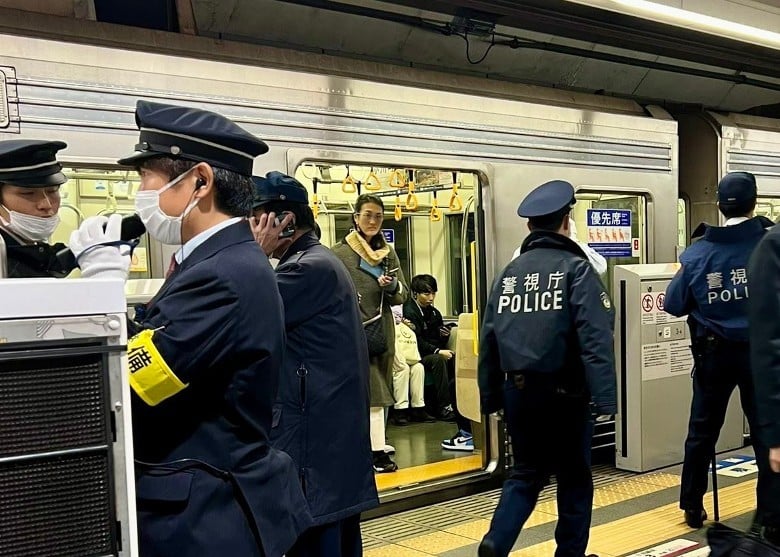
551 434
442 373
436 374
720 366
336 539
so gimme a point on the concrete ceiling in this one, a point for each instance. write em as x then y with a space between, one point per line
553 43
412 39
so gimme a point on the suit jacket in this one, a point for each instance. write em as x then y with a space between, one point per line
208 481
321 415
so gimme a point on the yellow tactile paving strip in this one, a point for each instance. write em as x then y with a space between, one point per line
427 472
616 538
662 523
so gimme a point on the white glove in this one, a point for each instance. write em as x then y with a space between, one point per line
103 261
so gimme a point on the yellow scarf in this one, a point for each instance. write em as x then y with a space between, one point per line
360 246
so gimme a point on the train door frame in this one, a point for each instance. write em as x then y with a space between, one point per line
445 488
647 243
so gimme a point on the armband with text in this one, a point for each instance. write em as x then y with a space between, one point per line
150 376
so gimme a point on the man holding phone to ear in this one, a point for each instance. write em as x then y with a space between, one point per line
321 412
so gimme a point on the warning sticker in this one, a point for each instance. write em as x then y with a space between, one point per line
666 359
668 549
648 304
737 466
681 357
652 304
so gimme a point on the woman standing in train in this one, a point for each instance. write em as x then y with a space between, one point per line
375 270
30 180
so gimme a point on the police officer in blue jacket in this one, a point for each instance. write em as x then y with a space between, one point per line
711 288
546 358
204 368
763 310
321 411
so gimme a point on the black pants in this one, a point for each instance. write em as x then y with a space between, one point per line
720 366
551 434
442 373
336 539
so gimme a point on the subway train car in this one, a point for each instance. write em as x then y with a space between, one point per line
451 166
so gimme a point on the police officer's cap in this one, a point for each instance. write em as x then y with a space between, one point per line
278 187
737 189
547 199
197 135
30 163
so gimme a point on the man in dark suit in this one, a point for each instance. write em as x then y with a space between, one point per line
321 411
204 367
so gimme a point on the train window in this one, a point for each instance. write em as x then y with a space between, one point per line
91 191
614 225
768 207
427 235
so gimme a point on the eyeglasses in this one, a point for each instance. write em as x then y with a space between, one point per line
372 216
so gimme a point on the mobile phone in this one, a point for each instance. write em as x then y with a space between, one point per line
289 230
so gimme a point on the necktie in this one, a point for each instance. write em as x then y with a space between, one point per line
172 267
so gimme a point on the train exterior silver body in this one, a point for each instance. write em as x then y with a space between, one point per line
85 96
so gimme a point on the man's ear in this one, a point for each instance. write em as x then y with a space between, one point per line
204 179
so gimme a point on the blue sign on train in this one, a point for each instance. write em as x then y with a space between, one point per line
609 232
389 235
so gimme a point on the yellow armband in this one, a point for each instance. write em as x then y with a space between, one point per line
150 377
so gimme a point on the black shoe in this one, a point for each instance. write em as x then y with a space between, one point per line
383 463
487 548
419 415
695 517
446 414
772 535
400 418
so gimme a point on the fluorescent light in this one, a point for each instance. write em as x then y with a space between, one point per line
689 20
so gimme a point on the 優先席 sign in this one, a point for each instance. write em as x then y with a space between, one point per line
609 232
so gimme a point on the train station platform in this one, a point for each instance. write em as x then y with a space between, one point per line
634 515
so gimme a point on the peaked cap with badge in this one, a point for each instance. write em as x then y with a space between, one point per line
278 187
193 134
31 163
547 199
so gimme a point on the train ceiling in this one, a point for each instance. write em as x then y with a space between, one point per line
555 43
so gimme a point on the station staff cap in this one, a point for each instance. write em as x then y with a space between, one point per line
547 199
278 187
737 188
195 135
30 163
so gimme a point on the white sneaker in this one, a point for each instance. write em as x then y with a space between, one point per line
389 449
461 442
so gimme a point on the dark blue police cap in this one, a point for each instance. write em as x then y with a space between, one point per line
197 135
547 199
30 163
278 187
737 188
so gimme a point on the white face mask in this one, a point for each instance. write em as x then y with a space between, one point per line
163 228
36 229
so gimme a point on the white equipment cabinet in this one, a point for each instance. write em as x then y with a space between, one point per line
654 364
66 459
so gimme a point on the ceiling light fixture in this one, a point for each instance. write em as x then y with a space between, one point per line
689 20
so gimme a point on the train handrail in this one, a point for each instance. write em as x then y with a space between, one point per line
79 213
3 258
463 254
